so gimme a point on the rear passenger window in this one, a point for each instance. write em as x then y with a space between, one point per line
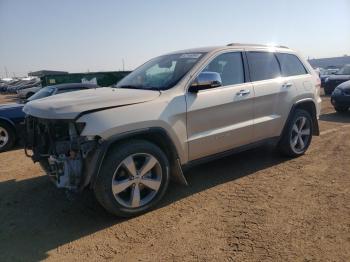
229 66
291 65
263 65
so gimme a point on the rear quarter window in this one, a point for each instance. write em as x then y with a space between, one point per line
263 66
291 65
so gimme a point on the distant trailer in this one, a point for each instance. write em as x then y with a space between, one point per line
42 73
99 78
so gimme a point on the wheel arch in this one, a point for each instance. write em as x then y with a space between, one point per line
309 106
156 135
29 94
10 123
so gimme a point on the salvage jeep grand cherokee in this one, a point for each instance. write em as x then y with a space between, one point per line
178 109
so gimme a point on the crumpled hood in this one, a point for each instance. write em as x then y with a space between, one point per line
72 104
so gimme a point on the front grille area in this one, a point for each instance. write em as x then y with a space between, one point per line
61 152
42 136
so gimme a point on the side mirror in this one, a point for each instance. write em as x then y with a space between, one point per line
205 80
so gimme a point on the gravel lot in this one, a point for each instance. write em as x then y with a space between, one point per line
252 206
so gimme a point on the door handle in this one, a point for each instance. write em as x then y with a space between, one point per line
287 85
243 92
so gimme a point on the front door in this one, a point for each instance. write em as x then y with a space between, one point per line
221 118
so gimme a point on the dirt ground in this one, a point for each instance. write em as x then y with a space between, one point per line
252 206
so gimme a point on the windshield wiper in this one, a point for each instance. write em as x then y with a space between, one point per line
129 87
139 87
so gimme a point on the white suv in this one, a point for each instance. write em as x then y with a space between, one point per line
176 110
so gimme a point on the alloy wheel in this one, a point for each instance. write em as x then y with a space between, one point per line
300 135
4 137
137 180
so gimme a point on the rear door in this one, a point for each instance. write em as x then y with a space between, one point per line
221 118
273 94
295 72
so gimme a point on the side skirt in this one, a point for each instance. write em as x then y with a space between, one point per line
272 141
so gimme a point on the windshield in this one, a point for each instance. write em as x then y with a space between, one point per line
162 72
44 92
344 71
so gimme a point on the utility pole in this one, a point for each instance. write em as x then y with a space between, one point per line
123 64
6 72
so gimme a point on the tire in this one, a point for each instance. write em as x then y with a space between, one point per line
341 109
7 136
125 203
291 136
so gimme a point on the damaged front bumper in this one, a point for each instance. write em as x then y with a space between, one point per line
68 158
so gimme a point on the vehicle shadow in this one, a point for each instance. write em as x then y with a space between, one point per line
36 218
336 117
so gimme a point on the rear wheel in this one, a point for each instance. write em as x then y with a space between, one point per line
297 137
7 136
133 178
341 109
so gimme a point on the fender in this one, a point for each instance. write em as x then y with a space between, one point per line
9 121
94 163
316 129
12 124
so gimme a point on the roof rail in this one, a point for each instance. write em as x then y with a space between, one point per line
242 44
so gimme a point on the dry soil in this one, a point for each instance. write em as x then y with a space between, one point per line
252 206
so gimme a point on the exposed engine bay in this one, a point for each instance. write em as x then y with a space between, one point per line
60 150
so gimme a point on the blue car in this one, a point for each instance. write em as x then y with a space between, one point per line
340 98
12 117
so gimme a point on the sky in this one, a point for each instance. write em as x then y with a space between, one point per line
97 35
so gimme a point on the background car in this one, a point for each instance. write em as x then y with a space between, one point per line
23 83
332 69
340 98
332 81
173 111
25 93
12 115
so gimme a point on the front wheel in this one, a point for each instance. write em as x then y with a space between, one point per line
7 137
297 137
133 178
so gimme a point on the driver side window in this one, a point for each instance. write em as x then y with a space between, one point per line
229 66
